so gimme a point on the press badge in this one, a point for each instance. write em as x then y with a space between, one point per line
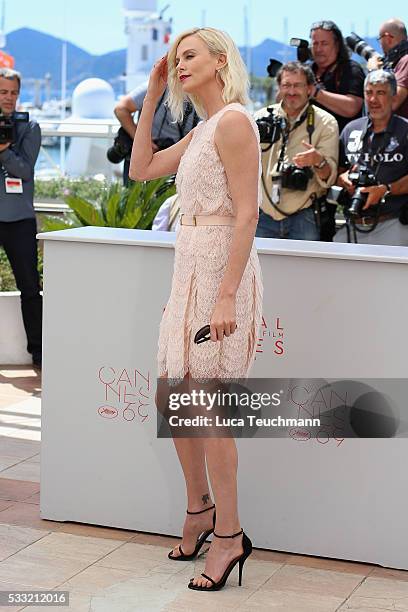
275 197
14 185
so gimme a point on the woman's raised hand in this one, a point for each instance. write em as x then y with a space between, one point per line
158 79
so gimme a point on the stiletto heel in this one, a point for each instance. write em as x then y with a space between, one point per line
200 540
240 566
216 586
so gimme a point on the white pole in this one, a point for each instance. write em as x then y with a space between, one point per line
63 85
2 25
246 40
286 39
63 102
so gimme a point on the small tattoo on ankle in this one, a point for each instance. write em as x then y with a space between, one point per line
205 498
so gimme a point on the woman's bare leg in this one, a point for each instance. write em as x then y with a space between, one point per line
191 455
222 463
192 458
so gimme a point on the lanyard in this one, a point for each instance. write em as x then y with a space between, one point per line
367 138
308 115
181 127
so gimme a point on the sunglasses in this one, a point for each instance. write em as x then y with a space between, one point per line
202 335
385 34
324 25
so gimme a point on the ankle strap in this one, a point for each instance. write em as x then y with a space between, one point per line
234 535
201 511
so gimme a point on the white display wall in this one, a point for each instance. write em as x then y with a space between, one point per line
330 311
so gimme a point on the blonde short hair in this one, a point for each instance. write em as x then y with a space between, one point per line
234 74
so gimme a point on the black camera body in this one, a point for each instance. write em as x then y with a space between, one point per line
270 127
362 176
303 51
164 143
293 177
8 125
122 146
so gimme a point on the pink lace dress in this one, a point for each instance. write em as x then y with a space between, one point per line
201 255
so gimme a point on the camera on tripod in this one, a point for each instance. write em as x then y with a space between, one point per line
8 125
362 176
270 127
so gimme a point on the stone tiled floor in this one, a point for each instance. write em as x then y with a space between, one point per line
113 570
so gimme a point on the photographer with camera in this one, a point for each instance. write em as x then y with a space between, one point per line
339 80
299 158
165 132
339 87
374 168
20 141
394 43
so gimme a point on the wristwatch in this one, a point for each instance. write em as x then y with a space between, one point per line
318 87
321 165
388 192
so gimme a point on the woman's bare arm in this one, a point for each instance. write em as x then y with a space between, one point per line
239 152
144 164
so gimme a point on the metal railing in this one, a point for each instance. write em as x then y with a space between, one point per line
96 128
68 128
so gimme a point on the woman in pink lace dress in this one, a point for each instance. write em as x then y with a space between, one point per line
217 277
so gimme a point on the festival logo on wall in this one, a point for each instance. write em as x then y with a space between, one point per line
271 333
125 394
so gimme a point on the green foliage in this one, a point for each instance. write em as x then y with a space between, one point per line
263 87
58 188
116 206
7 281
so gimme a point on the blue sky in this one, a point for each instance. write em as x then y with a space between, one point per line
98 25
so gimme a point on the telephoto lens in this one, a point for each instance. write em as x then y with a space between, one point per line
359 46
357 203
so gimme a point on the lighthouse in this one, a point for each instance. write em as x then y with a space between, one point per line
148 37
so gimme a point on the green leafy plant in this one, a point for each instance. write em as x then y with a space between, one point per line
129 207
57 188
7 280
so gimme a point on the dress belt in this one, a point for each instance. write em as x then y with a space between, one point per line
207 220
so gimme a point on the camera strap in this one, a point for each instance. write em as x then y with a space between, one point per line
309 116
182 126
367 138
395 54
159 105
334 71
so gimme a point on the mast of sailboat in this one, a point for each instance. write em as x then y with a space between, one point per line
2 25
63 88
247 43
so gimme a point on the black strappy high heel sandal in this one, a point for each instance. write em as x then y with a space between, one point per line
216 586
200 540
